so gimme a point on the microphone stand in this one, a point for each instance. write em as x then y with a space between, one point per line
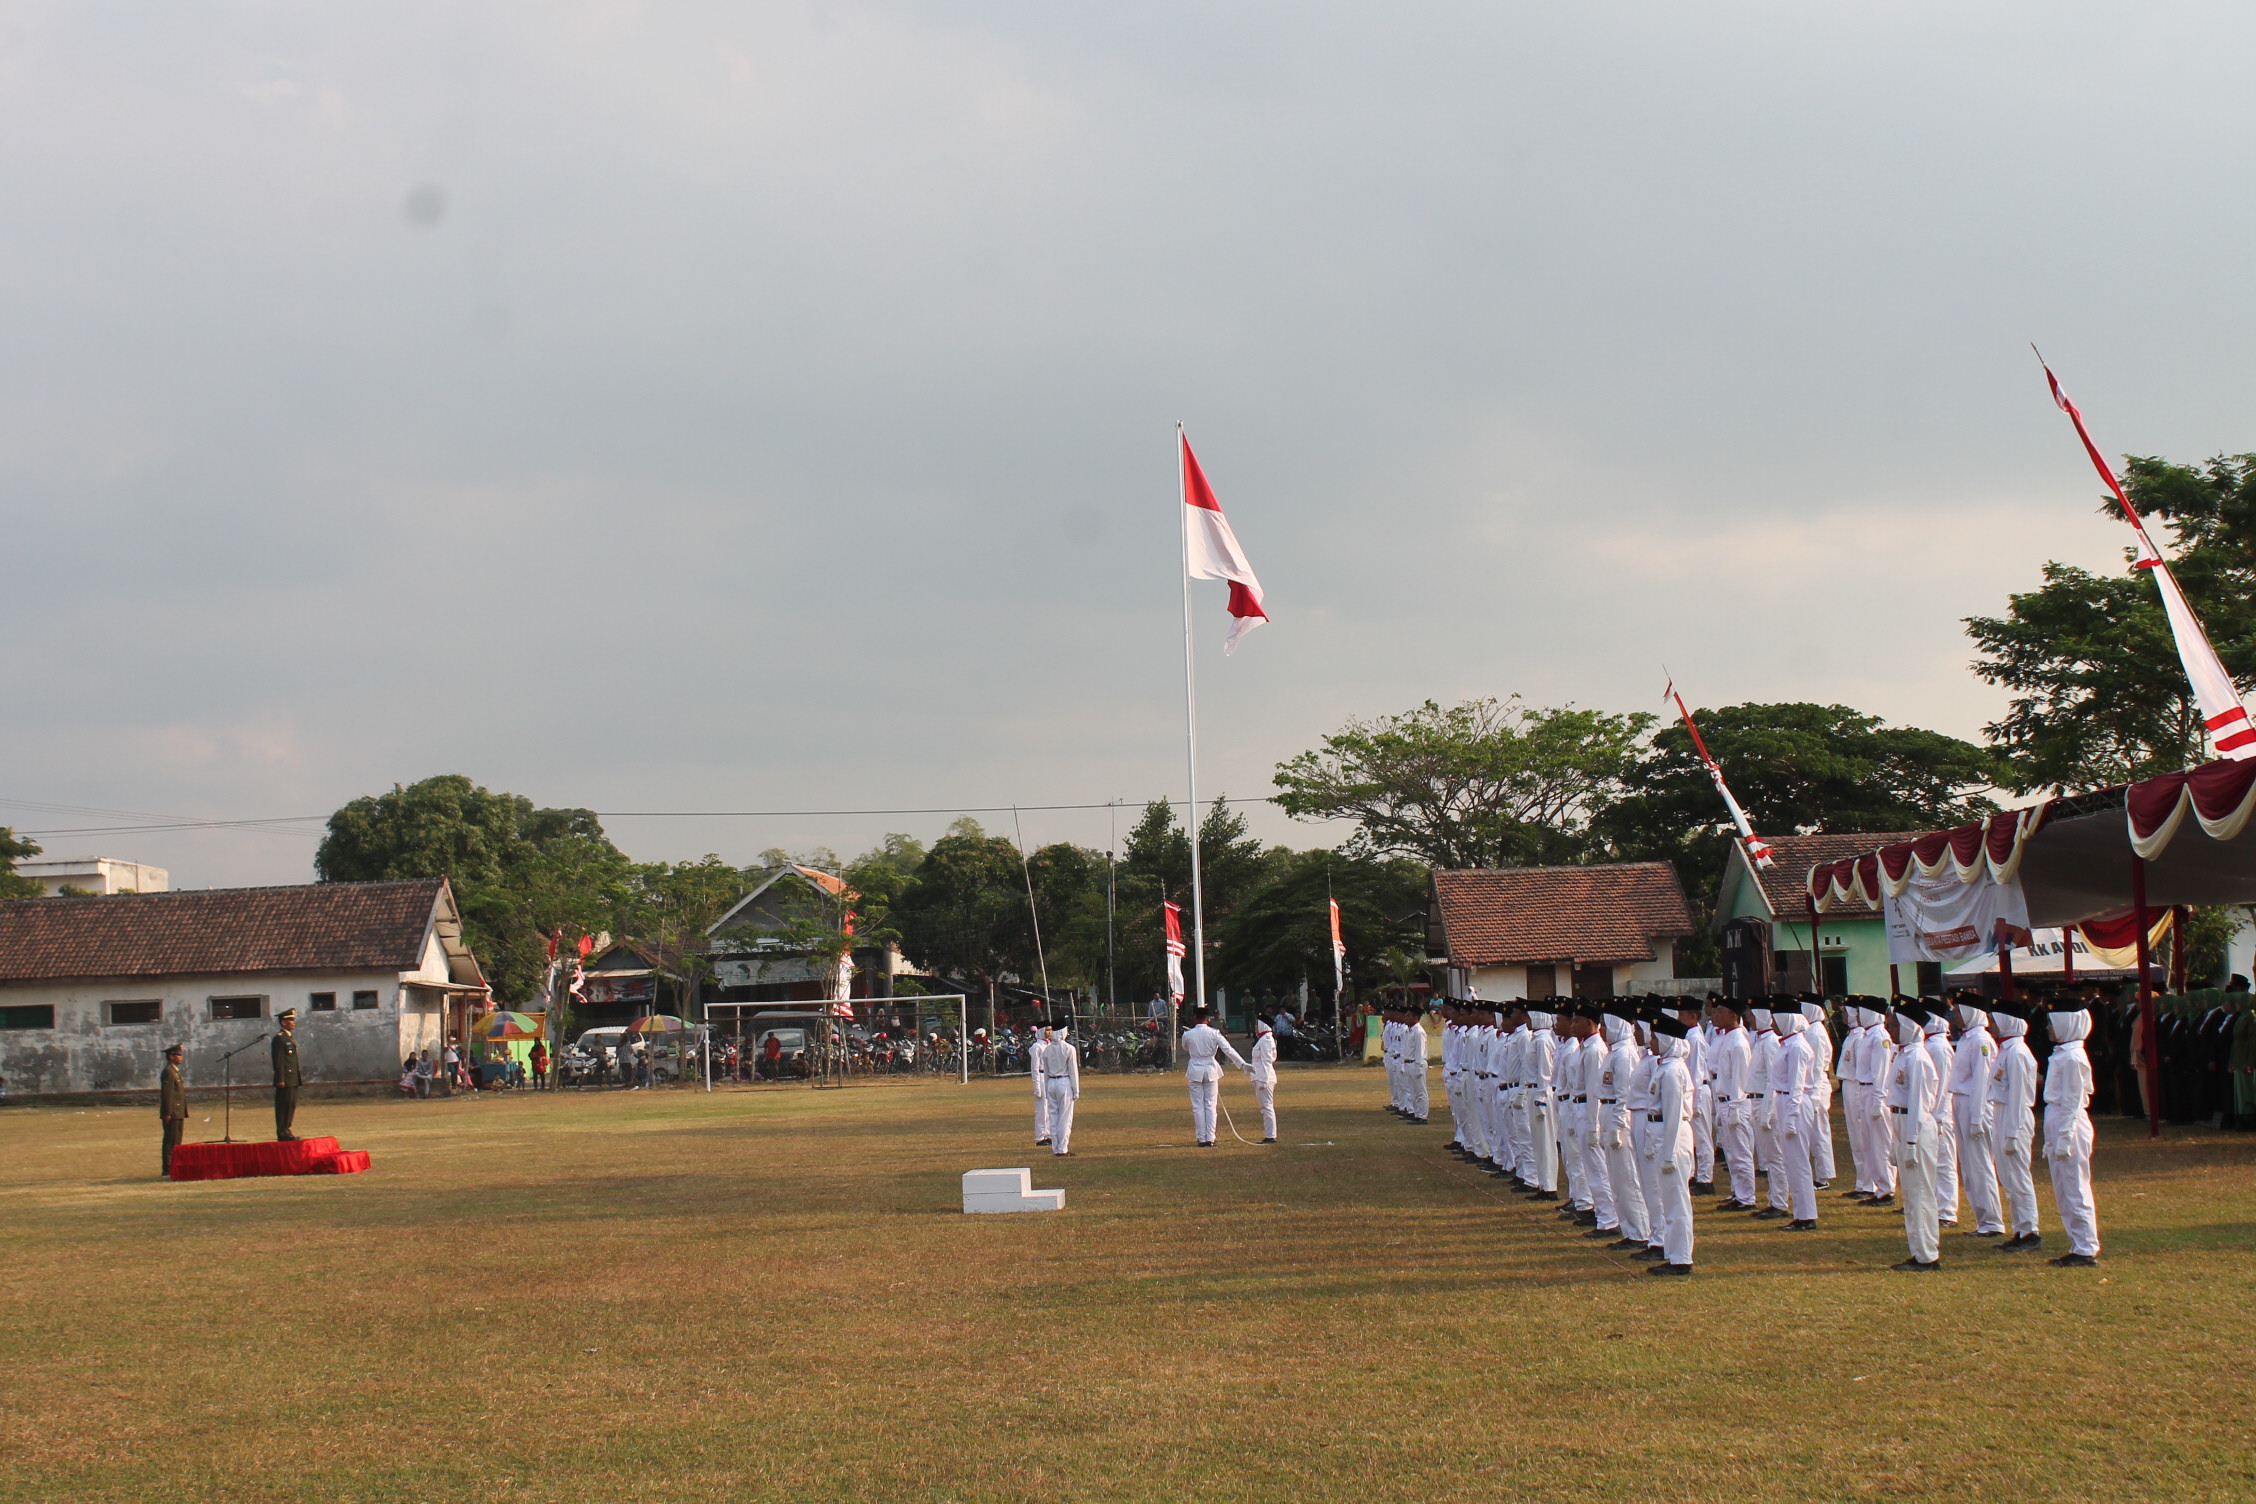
227 1088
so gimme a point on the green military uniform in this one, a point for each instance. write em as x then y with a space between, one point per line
286 1080
172 1107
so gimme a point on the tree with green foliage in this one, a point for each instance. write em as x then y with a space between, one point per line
1281 932
966 913
1155 868
1488 783
518 872
14 849
2100 695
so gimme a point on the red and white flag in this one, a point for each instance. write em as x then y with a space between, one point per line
2213 689
1175 951
1339 953
1758 849
1211 550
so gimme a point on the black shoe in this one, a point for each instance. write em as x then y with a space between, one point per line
1914 1266
1041 1143
2074 1261
1626 1243
1651 1255
288 1138
2021 1244
1735 1205
1977 1233
1676 1269
1268 1140
1586 1219
1206 1143
1801 1224
1703 1188
1948 1223
1772 1214
1567 1213
1543 1196
1825 1185
1602 1232
1883 1199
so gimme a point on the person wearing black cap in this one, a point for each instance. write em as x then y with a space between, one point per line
1762 1023
2009 1122
1728 1065
1915 1095
1615 1140
2068 1133
1540 1054
1794 1117
286 1076
1204 1049
1670 1144
172 1106
1511 1084
1692 1013
1592 1201
1969 1086
1863 1065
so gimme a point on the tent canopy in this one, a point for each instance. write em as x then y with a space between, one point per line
2072 856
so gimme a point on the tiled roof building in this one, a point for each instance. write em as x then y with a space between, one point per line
1546 931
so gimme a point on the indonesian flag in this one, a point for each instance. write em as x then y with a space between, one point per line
2221 711
1339 953
1210 549
1175 951
1758 849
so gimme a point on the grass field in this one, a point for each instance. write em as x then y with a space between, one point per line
770 1294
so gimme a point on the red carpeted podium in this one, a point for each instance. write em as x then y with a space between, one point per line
306 1156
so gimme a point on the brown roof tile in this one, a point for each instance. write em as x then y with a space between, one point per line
1512 915
1786 883
214 931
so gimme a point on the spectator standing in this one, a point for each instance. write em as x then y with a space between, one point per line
540 1064
172 1107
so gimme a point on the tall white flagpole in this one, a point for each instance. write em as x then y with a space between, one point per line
1190 723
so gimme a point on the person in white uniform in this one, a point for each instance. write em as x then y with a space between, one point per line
1615 1140
1671 1145
1915 1098
1863 1062
1821 1092
1414 1058
2068 1135
1041 1085
1691 1013
1535 1095
1061 1080
1640 1099
1935 1039
1762 1042
1263 1074
2010 1120
1204 1050
1970 1116
1794 1117
1729 1063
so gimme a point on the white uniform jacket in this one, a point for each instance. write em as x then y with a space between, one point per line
1204 1048
1264 1067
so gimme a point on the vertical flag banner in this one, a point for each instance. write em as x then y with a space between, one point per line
2221 711
1758 850
1339 953
1174 917
1211 552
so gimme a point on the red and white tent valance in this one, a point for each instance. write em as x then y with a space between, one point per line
1988 848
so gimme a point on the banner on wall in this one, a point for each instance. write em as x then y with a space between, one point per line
1939 918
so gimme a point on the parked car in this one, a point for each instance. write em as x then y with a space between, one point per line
602 1046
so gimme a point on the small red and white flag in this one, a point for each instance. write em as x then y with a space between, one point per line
1210 549
1339 952
2213 689
1757 849
1175 950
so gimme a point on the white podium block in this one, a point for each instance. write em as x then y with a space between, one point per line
1008 1191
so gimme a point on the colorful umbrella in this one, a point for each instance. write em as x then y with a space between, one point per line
496 1028
658 1023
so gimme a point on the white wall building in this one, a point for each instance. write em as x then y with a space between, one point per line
93 989
94 874
1538 932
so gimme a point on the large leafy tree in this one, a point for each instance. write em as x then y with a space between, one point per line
966 913
1797 769
2099 693
14 849
1488 783
517 871
1155 869
1281 932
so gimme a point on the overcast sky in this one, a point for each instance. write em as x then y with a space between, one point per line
760 407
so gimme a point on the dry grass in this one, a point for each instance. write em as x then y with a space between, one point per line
770 1295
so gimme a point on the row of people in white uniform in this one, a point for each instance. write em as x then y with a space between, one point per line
1057 1080
1567 1104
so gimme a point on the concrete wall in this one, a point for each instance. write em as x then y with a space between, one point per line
95 874
1498 983
85 1052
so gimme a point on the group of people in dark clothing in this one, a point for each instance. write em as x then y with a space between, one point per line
2206 1042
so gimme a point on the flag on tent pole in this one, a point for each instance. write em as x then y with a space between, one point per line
1757 849
1211 551
2213 689
1339 953
1175 951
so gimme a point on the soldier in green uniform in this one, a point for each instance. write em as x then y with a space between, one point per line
286 1075
172 1105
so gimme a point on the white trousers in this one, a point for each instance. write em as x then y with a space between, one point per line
1865 1150
2017 1181
1595 1175
1738 1137
1675 1215
1461 1126
1572 1183
1622 1165
1703 1136
1642 1135
1774 1164
1417 1083
1946 1174
1041 1109
1265 1096
1916 1174
1977 1170
1797 1149
2068 1156
1204 1094
1517 1141
1060 1093
1543 1148
1821 1136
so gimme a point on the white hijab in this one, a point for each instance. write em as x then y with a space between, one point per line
2070 1028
